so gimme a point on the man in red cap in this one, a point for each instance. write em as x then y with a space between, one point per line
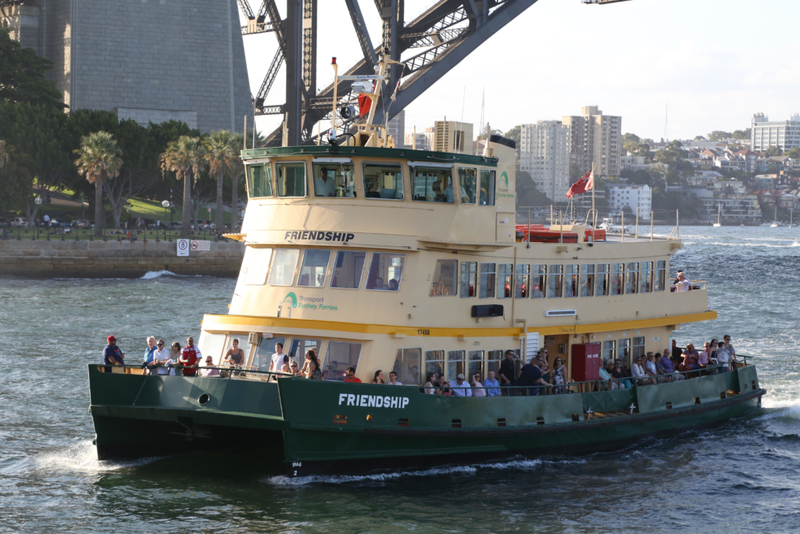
112 355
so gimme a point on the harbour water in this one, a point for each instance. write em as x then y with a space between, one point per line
741 476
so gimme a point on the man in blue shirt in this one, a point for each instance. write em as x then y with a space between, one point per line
150 352
112 355
492 385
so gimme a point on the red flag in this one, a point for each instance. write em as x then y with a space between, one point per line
364 103
586 183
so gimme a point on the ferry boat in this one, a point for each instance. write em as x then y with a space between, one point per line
361 252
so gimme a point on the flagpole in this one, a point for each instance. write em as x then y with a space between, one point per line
594 211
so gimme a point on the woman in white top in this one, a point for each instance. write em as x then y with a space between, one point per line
638 372
430 382
477 387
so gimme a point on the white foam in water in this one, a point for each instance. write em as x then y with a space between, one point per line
83 457
149 275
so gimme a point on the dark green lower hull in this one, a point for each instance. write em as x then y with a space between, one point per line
332 427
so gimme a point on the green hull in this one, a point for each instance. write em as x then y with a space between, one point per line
332 427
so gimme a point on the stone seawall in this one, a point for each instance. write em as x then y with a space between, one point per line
114 259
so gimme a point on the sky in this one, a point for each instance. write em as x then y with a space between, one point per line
670 68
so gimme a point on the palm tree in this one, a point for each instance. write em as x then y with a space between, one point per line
220 153
184 157
99 160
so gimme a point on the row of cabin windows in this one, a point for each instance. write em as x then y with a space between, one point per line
502 281
385 271
625 350
337 179
451 363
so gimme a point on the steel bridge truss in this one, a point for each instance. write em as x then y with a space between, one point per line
429 46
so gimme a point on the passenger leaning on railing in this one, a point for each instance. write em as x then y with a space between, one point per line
112 354
477 386
160 359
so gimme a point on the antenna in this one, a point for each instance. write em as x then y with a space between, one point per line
463 100
666 122
483 108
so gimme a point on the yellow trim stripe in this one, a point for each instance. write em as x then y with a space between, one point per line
213 322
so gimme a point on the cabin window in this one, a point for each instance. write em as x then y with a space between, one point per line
571 287
334 179
475 364
505 276
385 271
211 345
266 348
434 362
609 350
523 282
624 350
256 265
617 278
259 180
556 288
444 279
314 268
348 270
587 280
291 179
283 266
383 181
469 278
455 364
632 285
661 275
468 179
487 286
244 344
338 358
487 188
603 279
493 362
646 279
432 184
298 349
539 280
638 347
407 365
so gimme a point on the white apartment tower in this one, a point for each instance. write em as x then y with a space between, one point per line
631 196
595 139
544 152
782 134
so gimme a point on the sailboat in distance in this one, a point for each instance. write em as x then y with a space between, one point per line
719 216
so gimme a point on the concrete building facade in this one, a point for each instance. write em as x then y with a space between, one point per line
544 152
782 134
397 129
631 196
595 139
148 60
453 136
421 140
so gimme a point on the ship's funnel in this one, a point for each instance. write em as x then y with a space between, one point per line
505 151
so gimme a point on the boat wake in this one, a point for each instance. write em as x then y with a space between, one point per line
149 275
83 457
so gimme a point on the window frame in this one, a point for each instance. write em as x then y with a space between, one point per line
618 278
384 164
402 271
333 162
412 170
250 254
438 270
574 287
474 186
325 271
646 277
603 276
631 278
402 378
556 281
335 262
525 277
660 273
305 178
505 275
462 361
482 287
541 273
443 361
264 165
278 250
590 279
475 275
493 179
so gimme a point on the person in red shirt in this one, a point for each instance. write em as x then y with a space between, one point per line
351 375
189 356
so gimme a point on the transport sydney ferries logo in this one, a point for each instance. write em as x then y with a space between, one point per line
309 303
504 192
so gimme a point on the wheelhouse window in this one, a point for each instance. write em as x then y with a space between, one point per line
488 284
505 276
522 286
314 268
571 287
661 275
348 269
291 179
646 279
475 364
539 280
334 179
556 289
587 280
493 363
385 271
338 357
632 285
407 365
383 181
609 350
259 180
486 197
283 266
617 278
434 362
266 348
468 179
603 279
455 364
469 278
256 265
432 184
444 282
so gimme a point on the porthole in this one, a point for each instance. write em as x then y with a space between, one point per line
203 399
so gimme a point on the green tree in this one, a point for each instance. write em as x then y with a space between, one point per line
528 195
773 151
13 177
22 75
514 134
220 153
742 134
700 138
630 141
719 135
99 159
185 157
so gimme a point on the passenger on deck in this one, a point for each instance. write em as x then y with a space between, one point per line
378 378
492 385
286 367
446 389
712 354
702 357
619 374
351 376
149 352
461 387
531 377
235 356
189 357
607 381
311 368
650 367
682 284
677 354
160 358
277 358
669 368
729 347
559 375
723 356
393 379
209 372
392 285
637 370
174 356
545 367
690 357
507 371
294 370
440 382
112 355
477 387
430 382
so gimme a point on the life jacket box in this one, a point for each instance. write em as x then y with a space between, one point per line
586 362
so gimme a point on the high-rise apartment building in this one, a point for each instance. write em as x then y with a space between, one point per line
544 152
453 136
420 140
631 196
782 134
595 139
397 129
